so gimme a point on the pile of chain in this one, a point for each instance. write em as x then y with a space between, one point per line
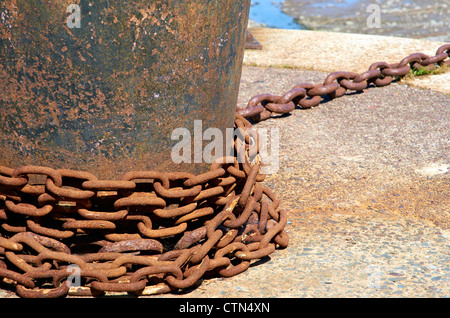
152 232
147 233
307 95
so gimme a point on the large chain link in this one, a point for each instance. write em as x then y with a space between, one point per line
152 232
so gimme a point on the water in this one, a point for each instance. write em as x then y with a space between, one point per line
269 13
330 4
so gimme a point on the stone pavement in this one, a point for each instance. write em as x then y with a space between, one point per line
365 178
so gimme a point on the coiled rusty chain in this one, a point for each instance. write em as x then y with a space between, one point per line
151 232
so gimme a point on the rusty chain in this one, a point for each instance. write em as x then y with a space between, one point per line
307 95
152 232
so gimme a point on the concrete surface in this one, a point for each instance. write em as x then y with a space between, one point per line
365 178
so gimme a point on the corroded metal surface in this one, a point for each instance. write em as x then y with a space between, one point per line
105 97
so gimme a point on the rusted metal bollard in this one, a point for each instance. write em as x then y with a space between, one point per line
99 86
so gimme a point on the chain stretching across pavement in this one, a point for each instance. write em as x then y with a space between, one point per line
307 95
151 232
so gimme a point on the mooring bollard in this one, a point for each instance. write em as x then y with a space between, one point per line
99 86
